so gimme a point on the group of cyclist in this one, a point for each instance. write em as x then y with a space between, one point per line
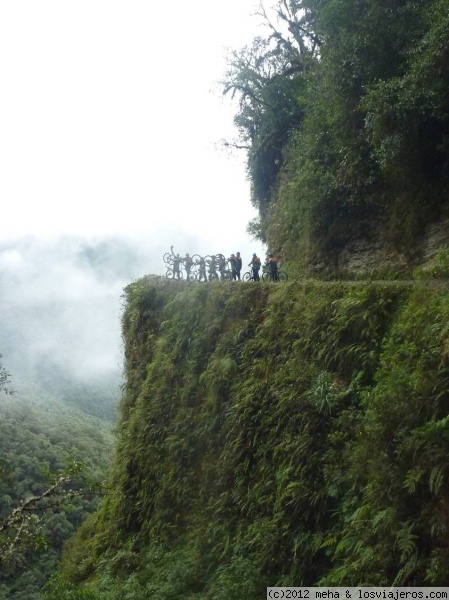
204 268
272 266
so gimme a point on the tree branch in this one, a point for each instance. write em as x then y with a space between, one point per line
28 505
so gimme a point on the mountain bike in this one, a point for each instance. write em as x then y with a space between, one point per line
199 268
248 276
226 275
171 275
211 267
266 276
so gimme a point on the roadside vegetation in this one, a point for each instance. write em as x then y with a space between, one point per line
295 434
275 435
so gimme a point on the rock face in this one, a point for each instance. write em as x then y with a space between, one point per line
371 255
436 238
374 252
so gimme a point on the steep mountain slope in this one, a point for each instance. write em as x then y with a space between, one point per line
298 434
343 111
275 434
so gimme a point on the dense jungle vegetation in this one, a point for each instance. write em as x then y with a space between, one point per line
41 438
343 110
291 434
296 434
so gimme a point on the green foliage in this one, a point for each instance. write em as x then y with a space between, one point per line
58 589
269 80
298 435
275 436
39 438
438 269
4 379
95 395
368 153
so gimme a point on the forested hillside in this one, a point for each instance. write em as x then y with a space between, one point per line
297 434
40 438
343 109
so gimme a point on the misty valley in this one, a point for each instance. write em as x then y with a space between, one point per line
61 359
172 440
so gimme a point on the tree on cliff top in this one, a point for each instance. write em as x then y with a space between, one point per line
268 78
342 108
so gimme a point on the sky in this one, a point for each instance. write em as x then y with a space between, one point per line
110 116
110 120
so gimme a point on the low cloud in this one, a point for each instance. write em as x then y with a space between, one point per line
60 301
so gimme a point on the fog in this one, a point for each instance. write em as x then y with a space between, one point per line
110 154
60 302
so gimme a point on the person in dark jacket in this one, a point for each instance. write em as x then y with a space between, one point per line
188 263
273 267
202 269
255 265
238 259
233 262
176 264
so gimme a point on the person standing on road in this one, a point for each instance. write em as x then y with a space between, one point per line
238 266
176 264
273 267
233 263
222 267
255 266
202 270
188 262
212 264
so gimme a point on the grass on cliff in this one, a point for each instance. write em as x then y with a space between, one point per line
275 435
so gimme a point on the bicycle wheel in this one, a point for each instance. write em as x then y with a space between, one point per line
168 258
171 275
247 276
227 276
213 276
196 258
266 276
191 277
282 276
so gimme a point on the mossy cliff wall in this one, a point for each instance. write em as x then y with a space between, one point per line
291 434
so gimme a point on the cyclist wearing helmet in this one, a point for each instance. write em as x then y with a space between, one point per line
255 266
